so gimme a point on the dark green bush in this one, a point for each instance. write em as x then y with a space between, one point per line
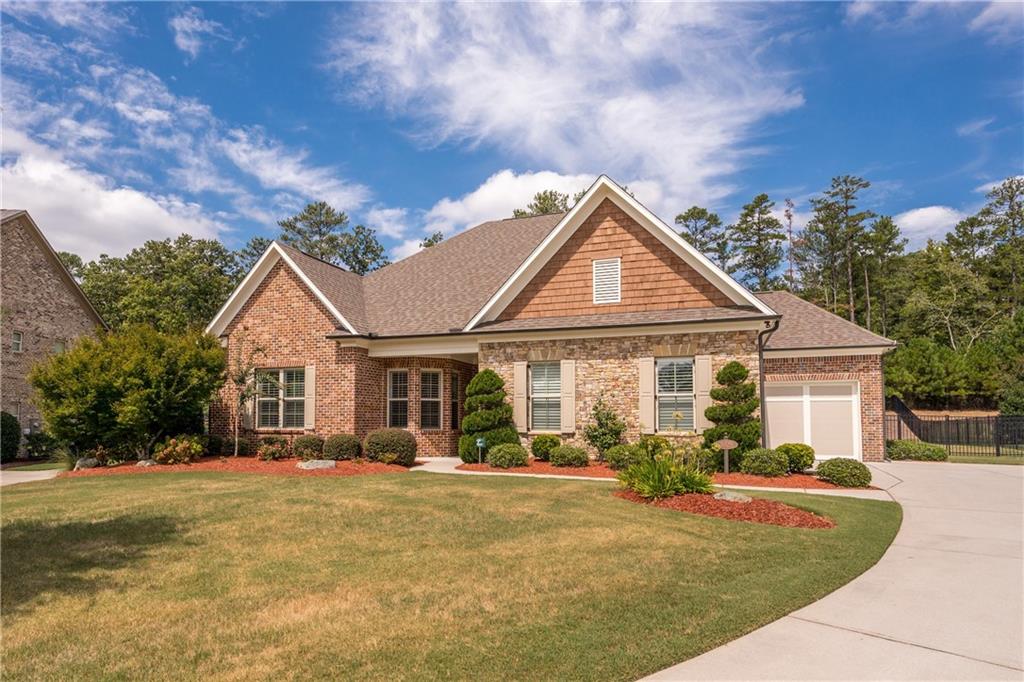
543 444
342 446
764 462
485 381
1011 401
487 416
621 457
735 403
916 450
40 445
467 442
391 446
308 446
606 428
10 436
848 473
487 420
662 477
507 455
713 459
569 456
273 447
800 456
214 445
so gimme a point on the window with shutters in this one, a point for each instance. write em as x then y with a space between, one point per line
430 399
608 280
281 400
398 398
674 394
545 396
454 407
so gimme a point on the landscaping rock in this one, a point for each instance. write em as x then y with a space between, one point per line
732 496
146 463
316 464
86 463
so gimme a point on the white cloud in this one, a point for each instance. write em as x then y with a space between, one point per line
91 18
862 9
405 249
391 222
989 186
929 222
1002 21
191 31
975 128
671 93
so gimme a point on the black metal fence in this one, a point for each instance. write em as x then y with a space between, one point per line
961 436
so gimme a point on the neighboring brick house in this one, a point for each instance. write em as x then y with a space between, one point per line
43 310
605 300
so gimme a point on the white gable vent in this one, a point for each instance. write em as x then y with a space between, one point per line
607 280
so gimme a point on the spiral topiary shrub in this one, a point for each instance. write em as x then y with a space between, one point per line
800 456
391 446
735 403
308 447
543 444
507 455
764 462
342 446
10 436
569 456
848 473
488 416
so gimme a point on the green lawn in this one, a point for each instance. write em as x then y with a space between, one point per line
988 460
38 466
407 576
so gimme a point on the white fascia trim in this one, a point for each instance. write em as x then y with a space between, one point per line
827 352
248 287
604 187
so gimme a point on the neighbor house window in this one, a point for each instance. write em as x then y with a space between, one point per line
281 399
16 341
454 407
607 280
675 394
58 347
398 398
430 399
545 386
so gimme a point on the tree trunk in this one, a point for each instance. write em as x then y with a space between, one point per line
237 410
849 278
867 297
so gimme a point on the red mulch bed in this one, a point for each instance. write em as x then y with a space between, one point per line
790 481
248 465
757 511
595 470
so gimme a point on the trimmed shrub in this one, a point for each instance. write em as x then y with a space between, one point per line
848 473
214 445
391 446
569 456
543 444
308 446
605 430
177 450
486 420
764 462
272 447
245 448
662 477
40 445
507 455
487 416
10 436
342 446
621 457
916 450
800 456
735 403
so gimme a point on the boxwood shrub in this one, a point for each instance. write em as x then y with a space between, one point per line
543 444
507 455
10 437
620 457
916 450
391 446
273 447
569 456
467 442
214 445
848 473
764 462
342 446
308 446
800 456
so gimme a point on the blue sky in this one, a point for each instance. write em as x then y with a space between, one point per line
127 122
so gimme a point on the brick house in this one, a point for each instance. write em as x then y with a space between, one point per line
604 300
44 310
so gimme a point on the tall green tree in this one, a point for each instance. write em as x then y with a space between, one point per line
323 232
432 240
883 245
544 202
1004 215
758 239
970 241
705 231
818 252
247 256
361 252
73 262
843 197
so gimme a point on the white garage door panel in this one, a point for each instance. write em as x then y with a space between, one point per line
786 422
825 415
832 428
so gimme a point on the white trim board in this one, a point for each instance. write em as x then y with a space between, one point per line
605 188
827 352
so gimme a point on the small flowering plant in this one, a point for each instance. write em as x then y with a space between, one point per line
179 450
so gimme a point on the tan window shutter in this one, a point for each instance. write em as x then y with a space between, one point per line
701 388
310 381
249 406
646 367
568 396
519 395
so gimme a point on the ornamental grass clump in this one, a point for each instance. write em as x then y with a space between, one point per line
664 476
488 416
507 455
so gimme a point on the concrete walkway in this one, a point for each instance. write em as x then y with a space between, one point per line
945 602
13 476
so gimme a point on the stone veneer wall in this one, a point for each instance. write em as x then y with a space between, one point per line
608 366
867 369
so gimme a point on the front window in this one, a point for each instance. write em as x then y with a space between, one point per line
398 399
281 399
16 342
675 394
455 402
545 386
59 347
430 399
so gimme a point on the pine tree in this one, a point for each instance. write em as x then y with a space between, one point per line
544 202
317 230
1004 214
705 231
843 196
361 252
884 243
758 239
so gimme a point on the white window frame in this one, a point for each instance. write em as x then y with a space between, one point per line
281 399
456 422
555 395
17 342
387 406
63 346
603 262
675 395
439 400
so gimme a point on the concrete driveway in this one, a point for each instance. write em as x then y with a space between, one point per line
12 476
945 602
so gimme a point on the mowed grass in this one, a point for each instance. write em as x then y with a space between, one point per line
410 576
1002 459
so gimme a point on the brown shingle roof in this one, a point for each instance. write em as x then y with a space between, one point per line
805 325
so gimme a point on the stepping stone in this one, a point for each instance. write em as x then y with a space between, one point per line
732 496
316 464
146 463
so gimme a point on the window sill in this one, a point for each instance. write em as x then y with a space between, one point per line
280 429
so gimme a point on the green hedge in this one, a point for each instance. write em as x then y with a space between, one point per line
569 456
764 462
543 444
507 455
467 442
800 456
621 457
848 473
915 450
308 447
342 446
391 446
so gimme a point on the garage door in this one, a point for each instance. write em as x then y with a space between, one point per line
825 415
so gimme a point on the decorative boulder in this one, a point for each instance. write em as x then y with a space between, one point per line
732 496
146 463
316 464
86 463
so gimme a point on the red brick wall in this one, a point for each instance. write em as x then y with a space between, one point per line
866 369
653 277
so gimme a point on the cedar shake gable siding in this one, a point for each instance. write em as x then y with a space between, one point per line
652 276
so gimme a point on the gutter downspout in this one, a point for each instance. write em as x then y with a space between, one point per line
762 337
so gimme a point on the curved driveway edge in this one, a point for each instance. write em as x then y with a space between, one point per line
946 601
13 476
